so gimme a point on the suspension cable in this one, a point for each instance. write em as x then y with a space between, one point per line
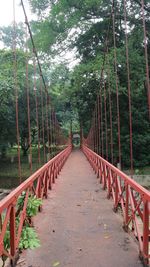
105 112
116 81
99 132
110 107
42 113
16 93
99 123
37 112
101 135
28 105
129 88
146 56
51 130
33 45
47 123
97 127
101 117
42 77
54 120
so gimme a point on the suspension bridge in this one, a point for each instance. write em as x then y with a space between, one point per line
92 214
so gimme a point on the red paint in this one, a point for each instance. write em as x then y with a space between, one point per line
128 195
43 178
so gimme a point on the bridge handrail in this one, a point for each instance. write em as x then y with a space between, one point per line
37 184
29 181
139 188
126 193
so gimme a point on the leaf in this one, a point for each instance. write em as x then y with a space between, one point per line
57 263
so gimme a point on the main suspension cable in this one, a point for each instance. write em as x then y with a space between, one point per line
33 45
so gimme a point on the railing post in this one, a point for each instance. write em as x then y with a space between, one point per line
108 185
126 208
116 193
81 136
146 232
98 167
12 234
111 177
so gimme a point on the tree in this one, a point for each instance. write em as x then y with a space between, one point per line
7 36
83 25
7 98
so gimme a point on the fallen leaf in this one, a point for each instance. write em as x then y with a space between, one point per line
57 263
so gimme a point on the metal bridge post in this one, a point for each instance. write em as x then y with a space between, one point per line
126 208
146 232
12 235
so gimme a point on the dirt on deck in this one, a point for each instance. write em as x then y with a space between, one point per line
77 226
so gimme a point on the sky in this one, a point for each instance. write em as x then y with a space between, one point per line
6 18
6 12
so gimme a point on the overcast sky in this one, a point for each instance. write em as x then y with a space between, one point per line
6 18
6 11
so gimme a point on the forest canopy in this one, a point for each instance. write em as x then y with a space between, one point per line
79 28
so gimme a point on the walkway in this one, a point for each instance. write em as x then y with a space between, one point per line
77 226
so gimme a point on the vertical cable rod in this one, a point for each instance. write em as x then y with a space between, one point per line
16 92
116 81
129 88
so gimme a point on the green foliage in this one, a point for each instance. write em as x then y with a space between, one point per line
32 206
29 238
7 35
7 239
83 25
7 95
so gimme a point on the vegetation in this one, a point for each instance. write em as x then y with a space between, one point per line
82 26
29 238
77 29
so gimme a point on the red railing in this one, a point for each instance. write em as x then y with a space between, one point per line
129 196
38 185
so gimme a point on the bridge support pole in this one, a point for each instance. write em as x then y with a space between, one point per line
146 233
14 254
125 226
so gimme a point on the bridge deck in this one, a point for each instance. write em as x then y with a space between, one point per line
77 227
